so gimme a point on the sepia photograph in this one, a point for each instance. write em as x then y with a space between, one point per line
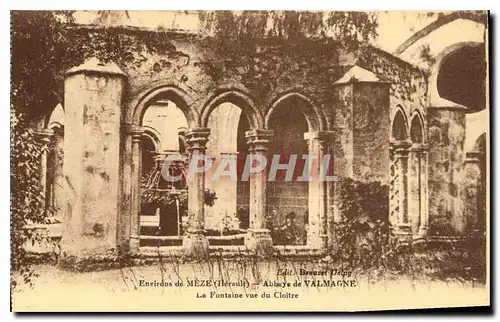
252 161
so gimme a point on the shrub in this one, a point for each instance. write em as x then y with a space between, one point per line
363 236
26 195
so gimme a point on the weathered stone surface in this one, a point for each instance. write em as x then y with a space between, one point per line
92 153
352 95
446 157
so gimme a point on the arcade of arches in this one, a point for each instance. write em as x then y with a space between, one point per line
109 141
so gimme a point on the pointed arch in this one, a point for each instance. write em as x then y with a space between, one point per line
417 132
56 118
238 97
399 128
480 144
307 106
170 92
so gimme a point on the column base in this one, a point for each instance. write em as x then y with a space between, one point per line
195 245
422 231
259 241
403 232
317 241
134 244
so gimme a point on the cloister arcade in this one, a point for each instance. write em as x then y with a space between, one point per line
110 137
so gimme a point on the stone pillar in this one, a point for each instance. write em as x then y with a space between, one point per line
57 152
135 132
401 151
44 136
317 235
224 209
420 199
417 189
472 189
258 237
195 243
92 99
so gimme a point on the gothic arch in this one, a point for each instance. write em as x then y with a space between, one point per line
239 98
174 93
309 109
417 132
56 118
480 144
399 126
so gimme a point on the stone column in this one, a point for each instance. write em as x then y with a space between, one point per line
57 151
317 235
258 237
44 136
424 224
472 189
418 191
135 132
225 207
93 102
401 151
195 243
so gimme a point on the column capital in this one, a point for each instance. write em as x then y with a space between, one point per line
133 129
44 135
419 147
259 134
401 148
259 139
197 138
229 155
319 135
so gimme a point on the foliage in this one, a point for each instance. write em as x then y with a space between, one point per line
36 84
407 82
359 199
463 260
26 196
441 225
426 55
46 43
245 27
364 238
43 45
371 246
37 53
266 51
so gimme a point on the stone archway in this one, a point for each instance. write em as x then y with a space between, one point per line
298 128
135 130
399 150
238 97
234 119
450 75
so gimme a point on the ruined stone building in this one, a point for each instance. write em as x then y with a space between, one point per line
417 126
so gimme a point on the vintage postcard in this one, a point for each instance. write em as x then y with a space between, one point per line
180 161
